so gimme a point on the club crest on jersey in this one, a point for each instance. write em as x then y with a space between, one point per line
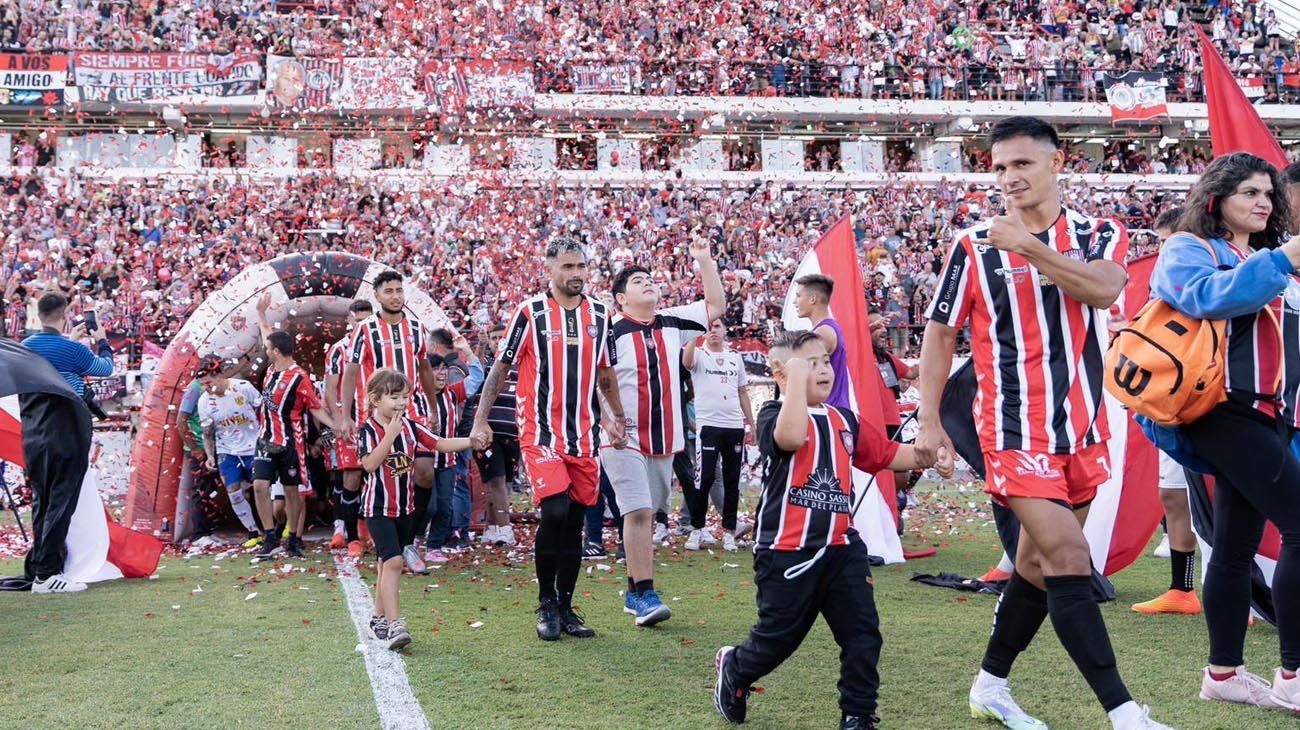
846 438
591 330
238 322
399 464
1292 294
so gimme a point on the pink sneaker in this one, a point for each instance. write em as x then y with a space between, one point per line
1286 692
1243 688
435 556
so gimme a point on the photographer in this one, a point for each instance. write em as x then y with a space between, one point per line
56 471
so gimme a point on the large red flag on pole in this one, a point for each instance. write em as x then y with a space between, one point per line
1235 126
836 255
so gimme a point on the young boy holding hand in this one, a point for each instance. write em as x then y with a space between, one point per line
808 559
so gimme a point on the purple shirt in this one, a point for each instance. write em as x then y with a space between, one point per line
840 364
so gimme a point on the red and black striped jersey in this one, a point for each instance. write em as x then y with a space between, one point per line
389 491
558 352
286 395
336 361
1253 355
401 346
446 416
1037 351
15 319
649 373
807 495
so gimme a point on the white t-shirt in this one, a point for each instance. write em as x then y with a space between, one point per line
717 377
233 416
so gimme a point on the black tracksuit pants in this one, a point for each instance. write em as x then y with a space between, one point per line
838 586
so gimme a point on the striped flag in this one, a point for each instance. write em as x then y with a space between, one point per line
836 256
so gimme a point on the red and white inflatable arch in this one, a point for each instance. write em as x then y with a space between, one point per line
310 291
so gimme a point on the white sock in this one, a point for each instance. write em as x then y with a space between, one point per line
243 510
988 681
1127 713
338 526
1005 565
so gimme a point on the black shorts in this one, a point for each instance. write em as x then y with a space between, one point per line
390 535
271 463
500 460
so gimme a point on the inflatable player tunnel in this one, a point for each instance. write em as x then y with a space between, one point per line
311 294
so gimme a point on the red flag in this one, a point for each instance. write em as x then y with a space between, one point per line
836 255
1235 126
11 431
133 552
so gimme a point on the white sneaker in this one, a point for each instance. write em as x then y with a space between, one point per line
1286 692
707 539
506 535
990 699
661 534
1132 716
1243 688
743 528
57 584
693 542
1162 550
729 542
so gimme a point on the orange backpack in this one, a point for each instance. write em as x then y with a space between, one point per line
1168 366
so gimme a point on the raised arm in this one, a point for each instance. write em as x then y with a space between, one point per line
791 431
714 296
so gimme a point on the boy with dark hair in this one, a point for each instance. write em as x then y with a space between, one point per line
808 559
812 301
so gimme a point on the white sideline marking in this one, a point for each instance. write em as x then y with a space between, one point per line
398 708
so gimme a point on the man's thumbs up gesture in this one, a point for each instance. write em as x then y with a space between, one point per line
1008 233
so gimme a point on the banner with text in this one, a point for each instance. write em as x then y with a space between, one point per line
1252 86
323 84
454 87
1135 95
32 79
157 78
612 78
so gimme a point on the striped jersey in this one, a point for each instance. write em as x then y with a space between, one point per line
501 414
286 394
558 352
446 417
1037 351
807 495
1253 356
401 346
649 369
337 358
389 491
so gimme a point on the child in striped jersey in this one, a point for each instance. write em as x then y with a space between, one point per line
808 559
387 444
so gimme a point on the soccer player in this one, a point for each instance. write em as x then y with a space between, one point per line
1180 542
648 343
812 301
808 558
562 341
722 411
344 465
1034 283
390 339
287 392
387 444
228 412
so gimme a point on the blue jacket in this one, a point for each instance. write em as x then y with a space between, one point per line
1187 278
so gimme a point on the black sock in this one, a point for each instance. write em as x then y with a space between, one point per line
1082 632
644 585
1016 619
569 560
1182 569
631 585
272 535
351 506
550 537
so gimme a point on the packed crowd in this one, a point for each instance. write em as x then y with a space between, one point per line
949 49
145 253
